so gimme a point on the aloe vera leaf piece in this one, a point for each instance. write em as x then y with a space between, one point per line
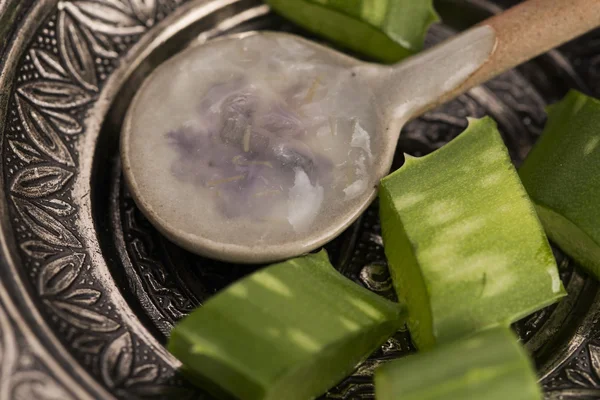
491 365
465 247
562 176
290 331
386 30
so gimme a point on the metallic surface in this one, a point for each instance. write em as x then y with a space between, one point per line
88 288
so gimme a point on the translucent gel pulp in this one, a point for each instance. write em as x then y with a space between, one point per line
253 139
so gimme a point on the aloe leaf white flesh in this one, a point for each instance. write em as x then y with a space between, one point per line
562 176
290 331
491 365
465 247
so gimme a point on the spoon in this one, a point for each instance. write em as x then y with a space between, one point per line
263 146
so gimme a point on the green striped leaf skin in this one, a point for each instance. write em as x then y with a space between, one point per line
290 331
491 365
562 176
384 30
466 249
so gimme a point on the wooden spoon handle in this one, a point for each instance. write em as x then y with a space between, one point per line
530 29
479 54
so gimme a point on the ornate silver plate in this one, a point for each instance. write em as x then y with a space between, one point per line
89 290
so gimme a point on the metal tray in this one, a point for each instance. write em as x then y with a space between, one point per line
89 290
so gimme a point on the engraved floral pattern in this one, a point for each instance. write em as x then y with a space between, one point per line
122 375
16 381
580 378
48 111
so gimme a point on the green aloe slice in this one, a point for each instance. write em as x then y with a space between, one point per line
290 331
491 365
386 30
562 176
465 247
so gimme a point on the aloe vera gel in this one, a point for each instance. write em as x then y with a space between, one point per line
465 246
290 331
491 365
562 176
258 136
